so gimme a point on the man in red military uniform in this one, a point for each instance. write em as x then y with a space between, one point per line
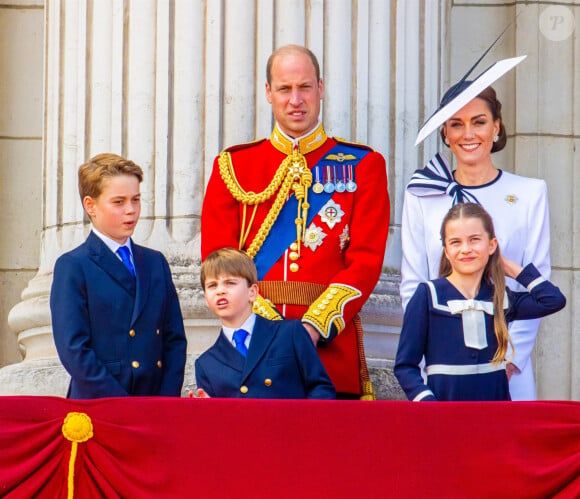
313 213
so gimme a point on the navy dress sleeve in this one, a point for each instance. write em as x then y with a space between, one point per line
412 346
541 299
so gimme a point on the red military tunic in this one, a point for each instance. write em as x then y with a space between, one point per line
343 249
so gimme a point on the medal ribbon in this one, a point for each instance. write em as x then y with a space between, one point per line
280 237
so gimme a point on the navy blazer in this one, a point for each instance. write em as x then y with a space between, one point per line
117 335
282 363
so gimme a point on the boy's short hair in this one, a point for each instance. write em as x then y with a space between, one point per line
228 261
93 173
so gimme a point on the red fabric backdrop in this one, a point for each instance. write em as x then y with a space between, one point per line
160 447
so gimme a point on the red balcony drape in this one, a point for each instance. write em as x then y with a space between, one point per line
161 447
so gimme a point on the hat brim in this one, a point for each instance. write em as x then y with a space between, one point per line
484 80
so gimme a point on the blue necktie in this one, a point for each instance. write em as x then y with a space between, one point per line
239 339
125 255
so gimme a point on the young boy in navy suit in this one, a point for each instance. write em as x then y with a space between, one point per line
116 318
254 357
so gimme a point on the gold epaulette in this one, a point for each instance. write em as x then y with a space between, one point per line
328 308
265 309
353 144
245 145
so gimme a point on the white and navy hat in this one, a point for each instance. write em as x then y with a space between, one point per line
466 90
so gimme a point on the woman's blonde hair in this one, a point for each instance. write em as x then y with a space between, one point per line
493 273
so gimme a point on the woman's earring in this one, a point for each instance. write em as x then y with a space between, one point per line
496 138
446 141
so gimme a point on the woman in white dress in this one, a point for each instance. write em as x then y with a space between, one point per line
518 206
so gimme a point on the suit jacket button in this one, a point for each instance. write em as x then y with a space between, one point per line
268 382
135 364
244 389
132 333
159 364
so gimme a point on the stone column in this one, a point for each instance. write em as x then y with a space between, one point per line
127 78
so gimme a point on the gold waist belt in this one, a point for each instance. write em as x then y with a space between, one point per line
291 292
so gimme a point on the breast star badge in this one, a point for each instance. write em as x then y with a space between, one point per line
313 237
331 213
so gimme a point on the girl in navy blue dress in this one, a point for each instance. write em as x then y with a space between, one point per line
458 322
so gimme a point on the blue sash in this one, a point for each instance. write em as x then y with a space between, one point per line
283 232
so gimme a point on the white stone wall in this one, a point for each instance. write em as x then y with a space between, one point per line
21 64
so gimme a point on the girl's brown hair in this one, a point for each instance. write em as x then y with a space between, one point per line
493 272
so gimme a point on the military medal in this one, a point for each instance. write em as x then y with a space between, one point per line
340 185
317 187
329 184
351 184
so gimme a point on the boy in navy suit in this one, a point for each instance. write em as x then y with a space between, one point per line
116 318
254 357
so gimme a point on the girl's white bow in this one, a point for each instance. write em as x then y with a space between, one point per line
473 320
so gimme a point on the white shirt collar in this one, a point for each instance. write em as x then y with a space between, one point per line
110 243
248 326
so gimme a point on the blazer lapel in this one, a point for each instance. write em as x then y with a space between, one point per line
106 260
142 278
262 335
225 353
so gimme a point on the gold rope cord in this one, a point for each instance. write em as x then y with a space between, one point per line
293 173
77 428
229 177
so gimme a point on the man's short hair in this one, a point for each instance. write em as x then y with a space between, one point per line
228 261
287 49
93 173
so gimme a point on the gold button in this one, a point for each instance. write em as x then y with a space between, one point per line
294 246
132 333
135 364
325 301
321 306
294 267
157 332
333 291
293 256
159 364
316 312
244 389
268 382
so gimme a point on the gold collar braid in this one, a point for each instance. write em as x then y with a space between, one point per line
292 174
307 143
